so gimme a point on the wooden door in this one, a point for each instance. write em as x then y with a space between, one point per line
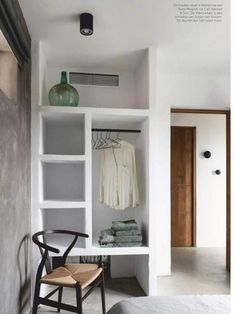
182 186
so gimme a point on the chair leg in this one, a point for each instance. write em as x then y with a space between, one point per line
59 298
36 297
102 288
79 298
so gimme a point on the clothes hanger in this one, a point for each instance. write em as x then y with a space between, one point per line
108 142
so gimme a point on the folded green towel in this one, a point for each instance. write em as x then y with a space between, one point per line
106 232
124 225
130 221
106 244
121 239
128 232
128 244
107 238
126 239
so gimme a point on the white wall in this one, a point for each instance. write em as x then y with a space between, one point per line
194 90
159 169
210 188
189 86
37 96
123 266
178 87
141 76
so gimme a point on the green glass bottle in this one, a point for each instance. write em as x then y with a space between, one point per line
63 94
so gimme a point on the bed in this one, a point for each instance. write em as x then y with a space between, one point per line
181 304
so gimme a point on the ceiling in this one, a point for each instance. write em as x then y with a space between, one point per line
122 29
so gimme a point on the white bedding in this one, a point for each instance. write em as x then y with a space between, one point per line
188 304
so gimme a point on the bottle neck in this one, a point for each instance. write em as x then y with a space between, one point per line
63 79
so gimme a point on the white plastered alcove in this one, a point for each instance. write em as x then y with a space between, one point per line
132 91
66 169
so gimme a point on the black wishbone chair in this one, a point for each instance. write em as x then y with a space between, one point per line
78 276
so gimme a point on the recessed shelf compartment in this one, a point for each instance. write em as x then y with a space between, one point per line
131 92
63 134
63 181
103 215
64 219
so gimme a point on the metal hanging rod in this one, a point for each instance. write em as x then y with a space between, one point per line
115 130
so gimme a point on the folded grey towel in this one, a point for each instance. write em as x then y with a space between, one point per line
128 232
120 239
126 239
128 244
107 238
124 225
106 232
130 221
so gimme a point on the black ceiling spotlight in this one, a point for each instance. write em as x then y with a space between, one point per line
86 24
207 154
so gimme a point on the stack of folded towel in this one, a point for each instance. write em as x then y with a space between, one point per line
121 234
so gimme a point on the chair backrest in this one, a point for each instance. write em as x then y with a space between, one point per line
45 249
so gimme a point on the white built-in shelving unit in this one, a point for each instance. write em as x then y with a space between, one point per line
69 169
65 169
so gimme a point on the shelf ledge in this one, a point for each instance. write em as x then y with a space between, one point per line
94 111
94 250
49 158
62 204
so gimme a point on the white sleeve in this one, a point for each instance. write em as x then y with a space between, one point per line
134 183
101 191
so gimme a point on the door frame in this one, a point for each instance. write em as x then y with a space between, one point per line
228 171
194 190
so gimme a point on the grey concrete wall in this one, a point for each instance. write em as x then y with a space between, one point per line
8 74
15 200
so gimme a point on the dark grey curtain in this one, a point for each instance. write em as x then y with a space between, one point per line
14 30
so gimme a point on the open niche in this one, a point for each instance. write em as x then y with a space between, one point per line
63 181
63 134
64 219
95 88
102 215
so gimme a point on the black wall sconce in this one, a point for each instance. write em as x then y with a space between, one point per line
218 172
86 24
207 154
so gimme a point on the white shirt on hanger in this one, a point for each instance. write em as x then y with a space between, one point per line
118 179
